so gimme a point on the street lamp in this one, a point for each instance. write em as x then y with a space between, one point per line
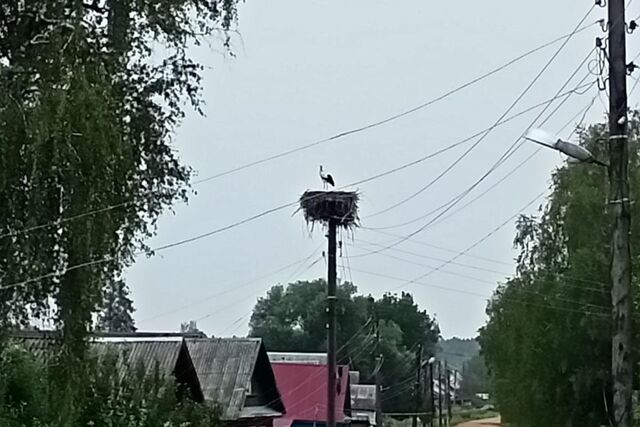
574 151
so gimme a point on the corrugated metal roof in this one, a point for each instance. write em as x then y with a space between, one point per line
161 353
150 354
224 367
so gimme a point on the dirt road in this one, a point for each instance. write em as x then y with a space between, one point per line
489 422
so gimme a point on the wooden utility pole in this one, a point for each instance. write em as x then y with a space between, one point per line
431 395
455 389
621 361
417 389
378 376
439 393
447 390
331 327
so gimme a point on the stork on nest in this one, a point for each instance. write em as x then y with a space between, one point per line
340 207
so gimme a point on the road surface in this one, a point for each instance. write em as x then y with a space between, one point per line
488 422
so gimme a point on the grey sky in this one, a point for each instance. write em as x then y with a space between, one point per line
306 70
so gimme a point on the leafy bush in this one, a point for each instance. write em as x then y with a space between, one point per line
29 396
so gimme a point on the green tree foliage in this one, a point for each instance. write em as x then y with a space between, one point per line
548 337
28 397
87 118
117 315
293 318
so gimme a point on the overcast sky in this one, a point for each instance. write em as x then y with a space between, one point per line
306 70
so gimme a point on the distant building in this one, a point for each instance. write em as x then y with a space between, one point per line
233 373
363 404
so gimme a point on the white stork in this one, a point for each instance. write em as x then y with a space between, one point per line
326 179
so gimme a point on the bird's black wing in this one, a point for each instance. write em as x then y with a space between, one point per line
330 180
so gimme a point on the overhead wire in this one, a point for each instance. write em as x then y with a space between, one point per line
493 283
506 155
235 224
307 146
484 296
488 132
479 196
484 238
231 288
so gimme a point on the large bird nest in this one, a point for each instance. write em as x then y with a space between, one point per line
326 206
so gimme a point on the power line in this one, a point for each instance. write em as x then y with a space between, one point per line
307 146
409 111
488 132
517 168
484 296
107 259
233 288
560 276
507 154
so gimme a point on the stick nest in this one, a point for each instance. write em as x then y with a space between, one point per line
324 206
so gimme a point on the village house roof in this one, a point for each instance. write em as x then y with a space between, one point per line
236 374
304 392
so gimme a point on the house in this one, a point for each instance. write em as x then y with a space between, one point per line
232 373
235 374
363 404
303 387
168 355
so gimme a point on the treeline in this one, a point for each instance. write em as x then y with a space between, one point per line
292 318
547 342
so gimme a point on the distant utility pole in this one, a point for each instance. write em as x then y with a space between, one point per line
447 390
379 418
431 396
378 376
455 389
417 390
621 361
439 393
331 326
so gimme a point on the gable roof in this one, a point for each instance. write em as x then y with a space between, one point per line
226 366
304 392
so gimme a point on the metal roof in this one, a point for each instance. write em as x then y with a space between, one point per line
159 353
162 355
225 367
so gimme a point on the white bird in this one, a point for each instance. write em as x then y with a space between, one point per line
326 179
574 151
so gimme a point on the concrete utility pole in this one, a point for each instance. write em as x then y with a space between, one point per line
417 390
331 327
621 362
